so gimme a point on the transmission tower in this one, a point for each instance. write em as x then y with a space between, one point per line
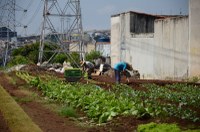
8 26
62 26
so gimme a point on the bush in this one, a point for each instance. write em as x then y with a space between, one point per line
76 59
18 60
93 55
31 51
60 58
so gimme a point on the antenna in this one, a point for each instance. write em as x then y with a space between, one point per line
55 31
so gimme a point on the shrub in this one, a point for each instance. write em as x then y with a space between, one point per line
93 55
60 58
76 59
18 60
31 51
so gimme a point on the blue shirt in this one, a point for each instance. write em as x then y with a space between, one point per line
120 66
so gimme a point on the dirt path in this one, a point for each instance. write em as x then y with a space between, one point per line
3 125
47 120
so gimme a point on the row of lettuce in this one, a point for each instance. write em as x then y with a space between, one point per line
102 105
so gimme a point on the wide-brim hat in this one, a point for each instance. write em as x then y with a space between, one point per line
82 63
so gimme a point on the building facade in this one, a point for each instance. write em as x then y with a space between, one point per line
160 47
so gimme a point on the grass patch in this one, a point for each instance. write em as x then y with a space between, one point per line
153 127
16 118
23 100
68 112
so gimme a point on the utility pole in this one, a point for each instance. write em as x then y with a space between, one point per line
69 37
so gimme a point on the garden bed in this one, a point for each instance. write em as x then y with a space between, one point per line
118 123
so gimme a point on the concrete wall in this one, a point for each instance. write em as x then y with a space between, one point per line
115 39
159 55
171 48
194 37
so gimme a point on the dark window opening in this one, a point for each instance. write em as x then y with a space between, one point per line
140 23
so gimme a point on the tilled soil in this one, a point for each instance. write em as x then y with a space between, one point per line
49 121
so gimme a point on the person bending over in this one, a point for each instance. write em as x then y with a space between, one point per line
119 68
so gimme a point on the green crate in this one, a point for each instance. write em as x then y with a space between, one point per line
73 75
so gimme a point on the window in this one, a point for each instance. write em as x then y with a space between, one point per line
141 23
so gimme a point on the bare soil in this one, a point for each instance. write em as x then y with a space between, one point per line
47 120
50 121
3 126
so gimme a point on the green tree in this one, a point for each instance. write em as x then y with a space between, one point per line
31 51
93 55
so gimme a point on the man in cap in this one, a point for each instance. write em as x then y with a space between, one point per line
88 67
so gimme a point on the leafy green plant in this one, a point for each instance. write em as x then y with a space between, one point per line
102 105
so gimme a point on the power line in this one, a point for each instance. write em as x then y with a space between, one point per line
35 13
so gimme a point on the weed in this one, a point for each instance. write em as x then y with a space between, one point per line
23 100
68 112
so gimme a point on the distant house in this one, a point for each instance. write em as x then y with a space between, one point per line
160 47
102 39
6 33
27 40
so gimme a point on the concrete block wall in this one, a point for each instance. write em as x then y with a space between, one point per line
171 42
194 38
171 52
159 55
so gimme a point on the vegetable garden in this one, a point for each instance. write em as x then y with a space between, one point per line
101 105
103 102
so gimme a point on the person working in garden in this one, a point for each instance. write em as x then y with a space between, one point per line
88 67
122 67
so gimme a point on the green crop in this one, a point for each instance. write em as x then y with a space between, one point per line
102 105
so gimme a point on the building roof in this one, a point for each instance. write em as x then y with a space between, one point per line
146 14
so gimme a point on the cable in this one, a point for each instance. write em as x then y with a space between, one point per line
25 11
35 13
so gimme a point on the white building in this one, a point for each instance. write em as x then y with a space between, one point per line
160 47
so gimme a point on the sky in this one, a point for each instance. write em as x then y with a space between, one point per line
96 14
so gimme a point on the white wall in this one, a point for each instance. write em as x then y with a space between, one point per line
115 40
171 48
161 55
194 37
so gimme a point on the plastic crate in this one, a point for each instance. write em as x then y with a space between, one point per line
72 75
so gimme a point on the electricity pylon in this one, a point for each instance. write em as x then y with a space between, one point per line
8 22
62 26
